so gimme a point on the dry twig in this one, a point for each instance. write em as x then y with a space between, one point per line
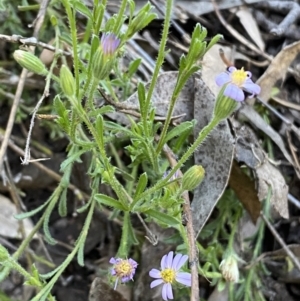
290 7
9 127
281 242
32 41
193 254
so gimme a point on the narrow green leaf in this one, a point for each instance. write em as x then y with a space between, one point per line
50 274
71 159
181 140
127 176
32 212
142 183
203 33
141 95
83 9
84 233
84 207
133 66
59 106
108 201
62 206
213 41
100 129
131 8
80 254
182 63
115 127
163 217
178 130
54 199
94 46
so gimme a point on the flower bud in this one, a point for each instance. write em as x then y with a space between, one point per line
99 67
104 56
193 177
67 82
173 186
30 62
229 268
4 254
224 106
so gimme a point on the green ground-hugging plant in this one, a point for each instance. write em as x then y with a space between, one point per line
90 132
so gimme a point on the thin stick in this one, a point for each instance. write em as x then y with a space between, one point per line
21 84
237 35
193 254
281 242
31 41
12 116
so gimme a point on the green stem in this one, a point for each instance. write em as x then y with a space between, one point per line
201 137
88 81
100 18
183 234
119 21
124 246
159 62
72 21
11 263
182 78
90 101
118 188
47 288
232 234
257 249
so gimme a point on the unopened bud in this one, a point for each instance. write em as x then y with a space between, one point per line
193 177
104 56
224 105
30 62
229 268
67 82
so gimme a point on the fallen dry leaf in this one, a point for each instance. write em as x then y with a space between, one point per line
269 176
250 25
244 189
249 151
277 70
247 112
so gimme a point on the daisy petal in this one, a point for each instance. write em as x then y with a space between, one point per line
251 87
184 278
181 262
234 92
163 262
231 69
112 260
175 261
126 279
154 273
167 291
169 260
222 79
156 283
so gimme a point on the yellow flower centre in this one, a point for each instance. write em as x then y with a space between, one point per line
238 77
123 268
168 275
